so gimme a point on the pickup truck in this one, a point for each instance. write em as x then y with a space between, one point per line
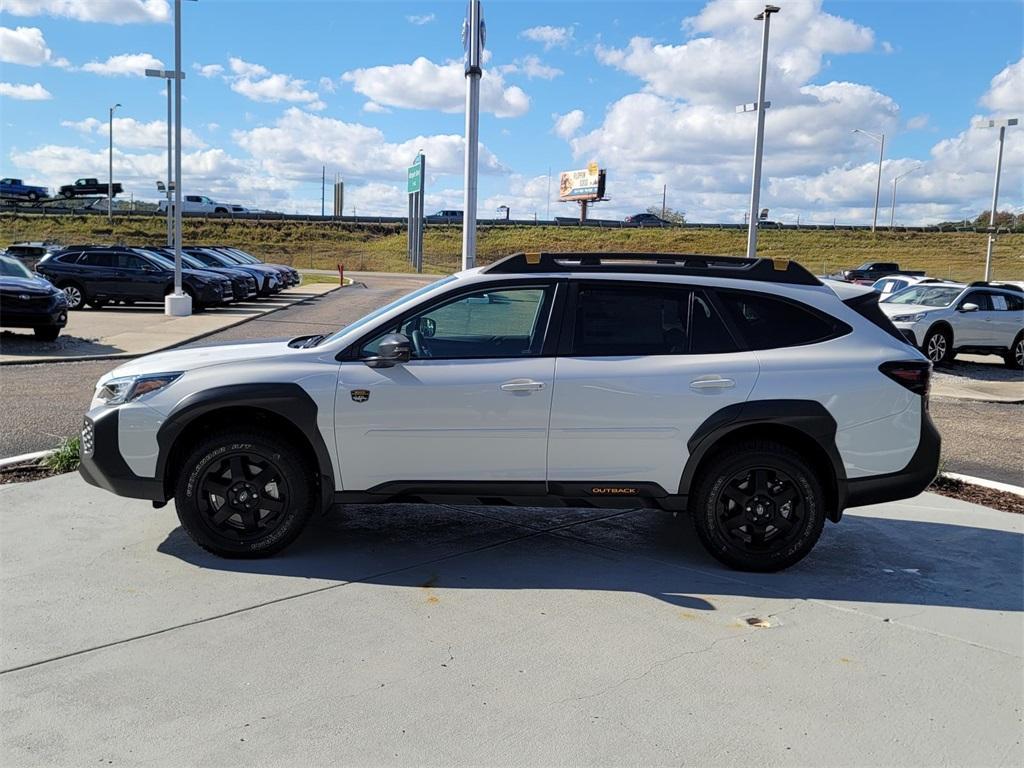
18 188
202 204
872 270
88 187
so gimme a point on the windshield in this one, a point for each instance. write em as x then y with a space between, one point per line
159 258
926 296
367 319
12 268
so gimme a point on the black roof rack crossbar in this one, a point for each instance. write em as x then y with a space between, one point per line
995 284
734 267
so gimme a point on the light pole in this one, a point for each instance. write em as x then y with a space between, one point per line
892 206
760 105
110 167
473 38
167 75
880 138
1002 125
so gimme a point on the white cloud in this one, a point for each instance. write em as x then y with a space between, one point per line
532 67
551 37
327 84
125 64
887 47
568 124
110 11
426 85
374 108
129 132
526 196
26 45
23 92
1006 92
419 21
918 122
256 82
208 70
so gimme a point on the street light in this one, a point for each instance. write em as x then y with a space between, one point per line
110 167
167 75
1002 125
895 179
760 105
474 34
880 138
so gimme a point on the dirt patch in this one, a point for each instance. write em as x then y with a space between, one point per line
25 473
976 494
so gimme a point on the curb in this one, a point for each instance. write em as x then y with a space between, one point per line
13 461
982 482
203 335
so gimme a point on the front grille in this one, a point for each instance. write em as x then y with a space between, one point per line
13 301
88 440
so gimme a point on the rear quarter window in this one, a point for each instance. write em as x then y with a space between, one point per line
768 322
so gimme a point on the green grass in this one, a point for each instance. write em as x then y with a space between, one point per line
65 458
381 247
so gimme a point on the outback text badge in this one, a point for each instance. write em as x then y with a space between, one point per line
360 395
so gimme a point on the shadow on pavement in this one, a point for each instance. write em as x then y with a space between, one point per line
863 559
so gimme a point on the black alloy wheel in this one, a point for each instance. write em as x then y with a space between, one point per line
242 496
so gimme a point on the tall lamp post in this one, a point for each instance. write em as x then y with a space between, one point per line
1002 125
167 75
892 205
880 138
473 38
760 105
110 167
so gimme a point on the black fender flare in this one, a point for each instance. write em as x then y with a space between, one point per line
283 399
808 417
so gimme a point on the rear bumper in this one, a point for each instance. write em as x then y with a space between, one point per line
908 482
103 466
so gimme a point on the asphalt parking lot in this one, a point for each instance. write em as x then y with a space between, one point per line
436 635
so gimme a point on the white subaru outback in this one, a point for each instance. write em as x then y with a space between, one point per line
743 390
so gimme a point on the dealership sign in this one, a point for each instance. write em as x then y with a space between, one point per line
415 177
584 184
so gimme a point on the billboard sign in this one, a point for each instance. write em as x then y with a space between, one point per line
584 184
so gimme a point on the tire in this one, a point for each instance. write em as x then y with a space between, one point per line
1014 358
938 346
47 332
33 196
67 195
226 509
759 506
74 293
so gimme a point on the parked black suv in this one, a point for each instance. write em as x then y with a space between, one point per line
95 275
268 279
289 275
28 301
243 285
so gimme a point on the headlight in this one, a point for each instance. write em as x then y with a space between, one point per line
908 318
128 388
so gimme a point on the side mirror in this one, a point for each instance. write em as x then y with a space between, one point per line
968 307
393 349
428 327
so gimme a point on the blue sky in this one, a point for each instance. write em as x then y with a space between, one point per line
275 90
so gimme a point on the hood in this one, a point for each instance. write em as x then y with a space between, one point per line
34 286
199 357
891 309
203 274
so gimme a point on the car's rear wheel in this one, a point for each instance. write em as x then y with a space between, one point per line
1014 357
938 346
47 332
759 506
244 495
75 295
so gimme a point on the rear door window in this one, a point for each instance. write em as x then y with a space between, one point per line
768 322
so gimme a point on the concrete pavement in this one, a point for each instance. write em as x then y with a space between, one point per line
434 635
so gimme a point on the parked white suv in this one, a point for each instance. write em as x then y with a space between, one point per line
741 389
944 318
199 204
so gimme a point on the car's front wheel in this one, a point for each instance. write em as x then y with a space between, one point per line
244 495
47 332
938 346
759 506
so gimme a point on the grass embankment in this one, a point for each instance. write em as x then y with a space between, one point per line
382 247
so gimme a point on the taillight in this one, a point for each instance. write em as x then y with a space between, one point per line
915 375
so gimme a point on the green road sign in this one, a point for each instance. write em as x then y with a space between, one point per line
415 178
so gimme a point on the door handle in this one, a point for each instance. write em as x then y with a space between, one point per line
712 382
522 385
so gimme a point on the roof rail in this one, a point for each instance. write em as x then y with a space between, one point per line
995 284
734 267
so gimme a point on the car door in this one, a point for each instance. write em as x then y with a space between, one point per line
973 329
98 275
1007 318
640 367
139 279
471 405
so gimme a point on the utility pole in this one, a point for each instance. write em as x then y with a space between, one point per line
755 186
1002 125
664 190
892 206
110 168
323 187
547 216
880 138
170 224
473 34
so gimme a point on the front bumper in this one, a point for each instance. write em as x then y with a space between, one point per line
15 317
103 466
908 482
